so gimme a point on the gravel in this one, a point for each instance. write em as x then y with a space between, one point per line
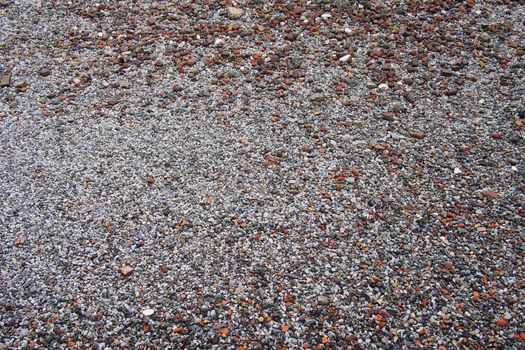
260 174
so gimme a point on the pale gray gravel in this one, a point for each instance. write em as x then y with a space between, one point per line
262 201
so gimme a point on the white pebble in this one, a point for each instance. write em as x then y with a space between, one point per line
148 312
345 58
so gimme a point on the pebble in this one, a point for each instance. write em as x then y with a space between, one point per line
345 58
125 270
5 79
490 193
45 72
317 97
148 312
497 135
388 116
234 12
323 300
417 135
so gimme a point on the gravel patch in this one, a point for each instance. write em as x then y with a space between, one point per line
262 174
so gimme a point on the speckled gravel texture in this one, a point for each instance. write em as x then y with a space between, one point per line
313 174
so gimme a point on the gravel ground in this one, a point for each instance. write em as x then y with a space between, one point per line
283 174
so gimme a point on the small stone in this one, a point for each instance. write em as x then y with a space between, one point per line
397 109
5 79
457 170
383 87
234 12
45 72
20 84
502 322
490 193
470 76
323 300
451 92
316 97
417 135
148 312
125 270
177 88
388 116
375 54
191 61
448 266
496 135
112 102
345 58
150 179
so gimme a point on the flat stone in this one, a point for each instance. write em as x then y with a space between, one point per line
148 312
316 97
345 58
234 12
323 300
5 79
490 193
45 72
125 270
388 116
417 135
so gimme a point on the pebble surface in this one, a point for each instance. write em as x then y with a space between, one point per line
262 174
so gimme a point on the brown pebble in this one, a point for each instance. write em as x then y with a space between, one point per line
388 116
151 179
448 266
44 72
417 135
191 62
125 270
491 194
496 135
